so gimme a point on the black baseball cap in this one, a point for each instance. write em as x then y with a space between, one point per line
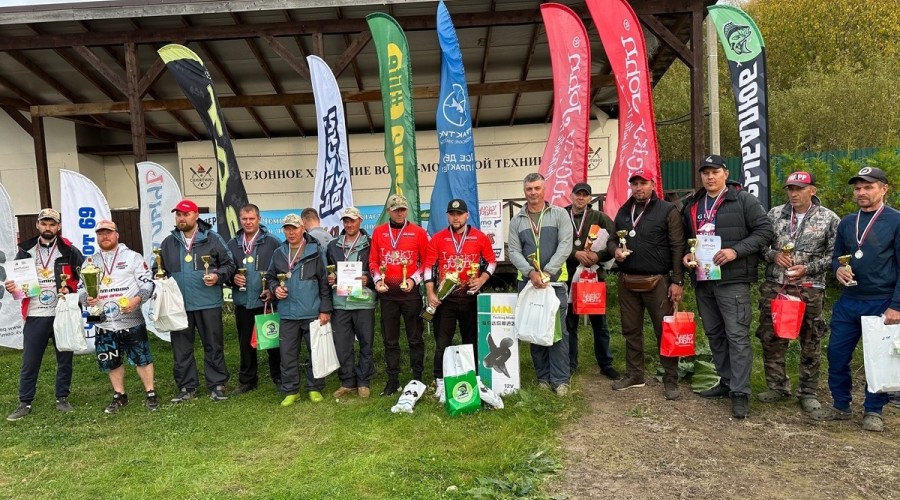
582 186
713 161
457 205
870 174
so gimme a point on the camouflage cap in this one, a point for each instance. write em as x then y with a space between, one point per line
292 220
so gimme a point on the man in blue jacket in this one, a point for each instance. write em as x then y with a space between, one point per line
252 248
182 254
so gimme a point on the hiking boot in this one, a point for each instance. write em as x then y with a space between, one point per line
720 390
364 392
152 401
184 395
629 382
544 385
438 388
610 373
809 404
740 405
562 390
830 413
873 422
772 396
671 390
218 393
241 389
119 401
390 388
21 412
315 396
343 391
289 399
62 404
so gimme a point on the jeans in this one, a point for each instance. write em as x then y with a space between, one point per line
551 364
846 330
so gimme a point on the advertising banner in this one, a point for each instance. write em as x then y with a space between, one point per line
11 322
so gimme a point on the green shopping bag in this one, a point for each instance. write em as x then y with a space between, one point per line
460 382
267 326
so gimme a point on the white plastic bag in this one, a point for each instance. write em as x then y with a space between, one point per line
324 357
882 368
536 313
68 328
411 393
168 313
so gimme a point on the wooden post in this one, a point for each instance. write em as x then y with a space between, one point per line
698 133
138 130
40 158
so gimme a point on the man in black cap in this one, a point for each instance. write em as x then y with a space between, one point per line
466 252
871 288
725 217
583 217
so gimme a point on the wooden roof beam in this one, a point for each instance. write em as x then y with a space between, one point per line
17 117
668 38
358 76
524 75
484 63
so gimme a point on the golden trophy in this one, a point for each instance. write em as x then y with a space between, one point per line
383 288
445 288
404 286
90 275
331 270
845 261
205 259
545 278
623 244
593 232
787 250
123 302
262 277
63 277
473 273
160 272
281 277
243 272
692 263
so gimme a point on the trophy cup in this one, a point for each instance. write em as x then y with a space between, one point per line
243 272
383 288
160 272
545 278
445 288
262 276
693 243
90 275
281 277
63 277
404 286
623 243
331 270
474 267
787 250
205 259
845 261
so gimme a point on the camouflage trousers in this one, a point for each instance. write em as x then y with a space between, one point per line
775 348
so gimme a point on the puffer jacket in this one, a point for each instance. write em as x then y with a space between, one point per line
812 247
263 249
189 275
308 290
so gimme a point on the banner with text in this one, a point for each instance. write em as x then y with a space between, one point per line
623 39
564 162
11 322
497 344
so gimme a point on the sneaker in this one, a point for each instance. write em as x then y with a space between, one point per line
610 373
119 401
830 413
242 389
289 399
544 385
671 391
562 390
809 404
772 396
740 405
720 390
62 404
390 388
873 422
364 392
218 393
439 388
21 412
343 391
184 395
152 401
628 382
315 396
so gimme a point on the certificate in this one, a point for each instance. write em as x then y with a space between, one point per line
707 247
349 277
24 273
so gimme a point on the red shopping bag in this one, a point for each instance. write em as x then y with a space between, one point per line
589 297
787 316
678 334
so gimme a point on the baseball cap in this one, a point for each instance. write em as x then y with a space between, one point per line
292 220
396 201
49 213
640 174
713 161
801 179
106 224
186 205
582 186
457 205
870 174
351 213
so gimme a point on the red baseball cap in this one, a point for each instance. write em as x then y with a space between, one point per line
186 205
640 174
801 179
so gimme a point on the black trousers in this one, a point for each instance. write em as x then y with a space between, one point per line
247 374
601 339
462 310
391 312
348 327
209 323
37 334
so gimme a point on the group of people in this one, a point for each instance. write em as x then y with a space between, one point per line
550 246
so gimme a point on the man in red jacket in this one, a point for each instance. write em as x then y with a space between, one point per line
398 251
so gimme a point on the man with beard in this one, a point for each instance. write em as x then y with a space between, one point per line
53 256
459 249
252 248
125 284
354 310
182 254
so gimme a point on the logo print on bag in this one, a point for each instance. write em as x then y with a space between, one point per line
270 330
593 298
463 392
684 340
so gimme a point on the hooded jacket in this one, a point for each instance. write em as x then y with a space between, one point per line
308 290
360 253
263 249
189 275
556 239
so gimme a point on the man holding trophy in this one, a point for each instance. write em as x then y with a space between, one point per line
454 260
798 257
116 292
58 264
197 258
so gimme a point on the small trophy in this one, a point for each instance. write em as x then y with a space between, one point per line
692 263
623 243
90 275
787 250
845 261
243 272
123 302
205 259
281 277
160 272
404 286
474 268
383 288
331 270
262 276
63 277
545 278
593 232
445 288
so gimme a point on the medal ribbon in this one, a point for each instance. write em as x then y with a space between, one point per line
46 265
108 270
861 240
459 246
188 244
636 220
293 260
396 241
348 251
536 232
247 246
580 227
710 213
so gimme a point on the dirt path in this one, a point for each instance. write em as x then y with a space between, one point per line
635 444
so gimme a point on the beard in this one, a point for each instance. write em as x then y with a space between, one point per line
48 235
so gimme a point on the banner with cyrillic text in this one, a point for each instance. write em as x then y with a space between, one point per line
11 322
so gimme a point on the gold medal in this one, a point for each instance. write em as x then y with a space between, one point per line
249 259
45 273
288 275
106 280
188 258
